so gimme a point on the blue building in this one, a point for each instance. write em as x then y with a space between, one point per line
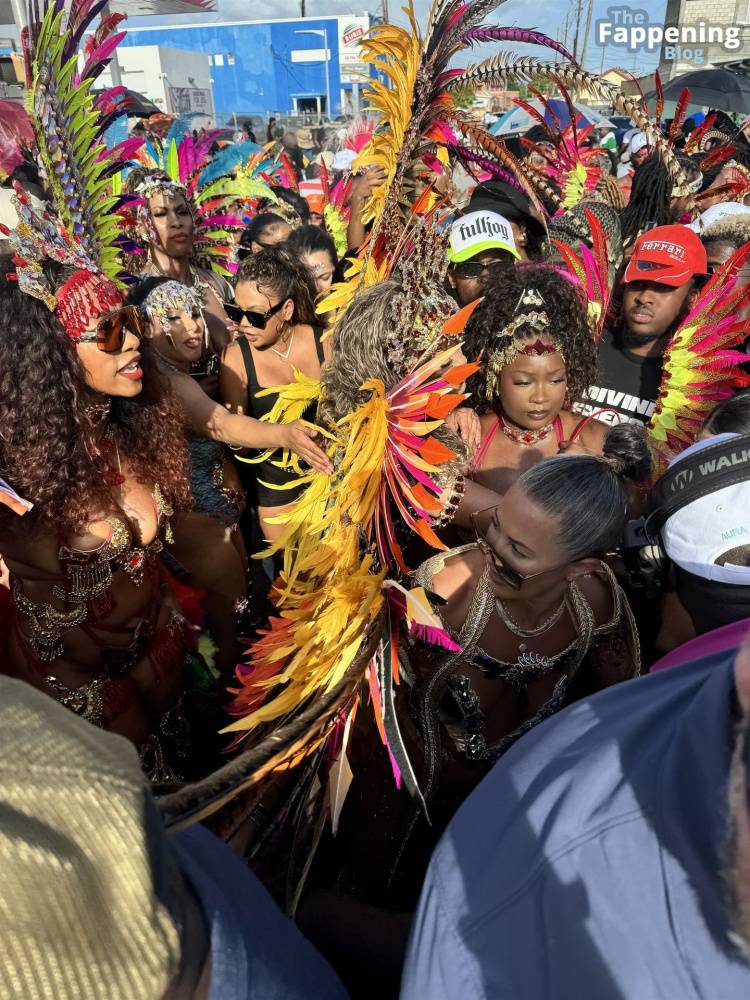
285 66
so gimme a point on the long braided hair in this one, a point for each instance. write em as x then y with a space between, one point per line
651 196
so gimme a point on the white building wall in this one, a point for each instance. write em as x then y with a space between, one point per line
152 69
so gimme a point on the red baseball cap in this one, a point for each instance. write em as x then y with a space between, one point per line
668 255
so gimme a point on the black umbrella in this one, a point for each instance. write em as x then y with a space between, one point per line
722 89
137 105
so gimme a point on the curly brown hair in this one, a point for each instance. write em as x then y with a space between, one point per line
565 305
47 451
278 271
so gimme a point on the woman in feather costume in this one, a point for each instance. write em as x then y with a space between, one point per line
186 218
529 378
94 620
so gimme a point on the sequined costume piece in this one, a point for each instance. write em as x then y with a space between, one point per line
207 485
467 730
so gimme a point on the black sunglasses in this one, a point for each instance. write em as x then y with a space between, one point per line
111 330
255 319
475 269
244 252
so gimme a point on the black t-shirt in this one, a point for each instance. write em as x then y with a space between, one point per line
626 383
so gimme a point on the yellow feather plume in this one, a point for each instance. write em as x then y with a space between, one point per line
396 53
291 404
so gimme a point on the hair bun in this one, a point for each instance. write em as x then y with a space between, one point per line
627 453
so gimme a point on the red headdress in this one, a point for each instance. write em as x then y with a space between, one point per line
82 229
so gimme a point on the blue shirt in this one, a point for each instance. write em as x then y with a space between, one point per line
586 865
257 953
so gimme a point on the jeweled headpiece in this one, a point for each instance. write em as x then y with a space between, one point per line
81 229
516 338
168 298
422 307
157 184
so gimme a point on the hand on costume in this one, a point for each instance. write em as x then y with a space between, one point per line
363 184
465 423
300 439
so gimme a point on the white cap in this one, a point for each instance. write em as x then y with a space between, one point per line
716 212
476 232
638 142
703 531
343 159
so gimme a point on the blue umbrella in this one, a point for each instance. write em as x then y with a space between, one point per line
518 120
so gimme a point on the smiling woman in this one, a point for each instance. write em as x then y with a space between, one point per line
94 624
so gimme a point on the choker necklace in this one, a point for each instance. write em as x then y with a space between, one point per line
285 357
97 413
527 633
523 437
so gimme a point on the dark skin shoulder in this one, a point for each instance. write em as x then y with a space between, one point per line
590 578
456 583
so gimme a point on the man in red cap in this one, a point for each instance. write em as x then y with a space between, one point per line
661 283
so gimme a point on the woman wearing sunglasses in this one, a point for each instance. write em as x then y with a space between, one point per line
537 357
540 621
274 308
92 437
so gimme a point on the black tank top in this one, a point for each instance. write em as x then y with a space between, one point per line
259 407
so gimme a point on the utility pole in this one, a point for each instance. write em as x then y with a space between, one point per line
385 11
302 4
578 29
588 31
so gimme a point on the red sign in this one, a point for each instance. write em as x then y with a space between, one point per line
352 34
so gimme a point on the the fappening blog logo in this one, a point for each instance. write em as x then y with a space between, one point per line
631 29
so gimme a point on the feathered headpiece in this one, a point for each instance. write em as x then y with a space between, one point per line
183 164
590 267
701 366
84 233
418 119
572 166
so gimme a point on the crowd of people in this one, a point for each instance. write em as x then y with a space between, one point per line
374 543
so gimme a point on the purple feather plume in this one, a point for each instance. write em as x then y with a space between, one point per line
100 57
497 171
528 36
